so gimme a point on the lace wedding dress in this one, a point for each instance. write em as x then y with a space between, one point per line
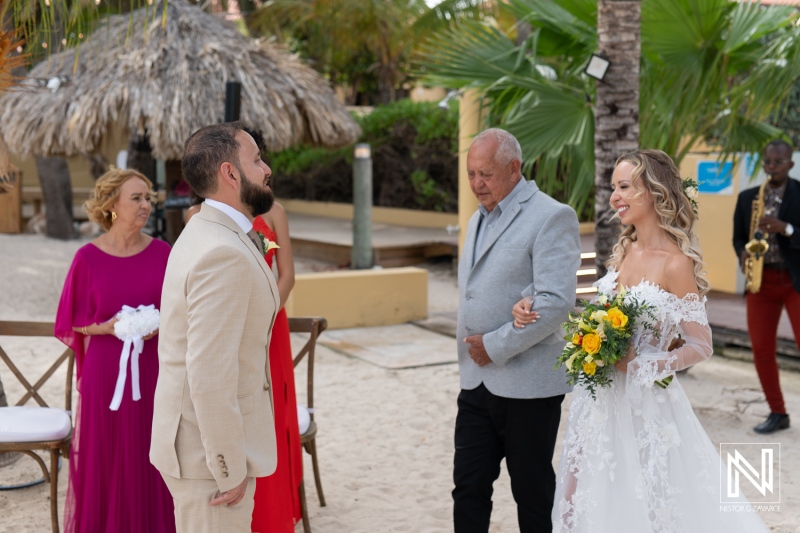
636 459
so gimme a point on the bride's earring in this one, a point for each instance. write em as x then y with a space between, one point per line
113 217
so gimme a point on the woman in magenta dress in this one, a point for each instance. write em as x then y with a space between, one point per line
277 498
113 488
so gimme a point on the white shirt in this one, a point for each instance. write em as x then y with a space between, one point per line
237 216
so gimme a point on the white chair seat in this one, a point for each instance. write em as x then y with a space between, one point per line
33 424
303 418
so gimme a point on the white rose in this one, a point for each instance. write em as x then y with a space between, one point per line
692 193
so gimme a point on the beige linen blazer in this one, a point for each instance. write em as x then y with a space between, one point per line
213 416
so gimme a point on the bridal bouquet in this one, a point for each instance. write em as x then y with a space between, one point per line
599 336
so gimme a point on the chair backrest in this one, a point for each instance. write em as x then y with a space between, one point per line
313 325
37 329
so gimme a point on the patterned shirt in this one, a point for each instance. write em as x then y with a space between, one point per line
489 218
772 206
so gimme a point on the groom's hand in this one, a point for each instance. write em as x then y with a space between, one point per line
477 351
231 497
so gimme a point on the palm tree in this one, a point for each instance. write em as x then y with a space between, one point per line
616 119
710 70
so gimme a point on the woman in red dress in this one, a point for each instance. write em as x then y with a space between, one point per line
277 498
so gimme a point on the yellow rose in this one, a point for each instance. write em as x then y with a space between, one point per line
617 318
576 339
591 343
590 368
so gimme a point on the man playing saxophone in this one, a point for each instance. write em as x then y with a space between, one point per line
770 213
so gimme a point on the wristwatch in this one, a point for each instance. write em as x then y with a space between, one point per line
789 230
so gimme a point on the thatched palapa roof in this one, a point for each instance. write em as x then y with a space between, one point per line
169 81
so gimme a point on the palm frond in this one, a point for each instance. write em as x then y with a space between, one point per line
476 57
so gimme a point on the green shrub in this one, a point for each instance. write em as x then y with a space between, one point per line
414 157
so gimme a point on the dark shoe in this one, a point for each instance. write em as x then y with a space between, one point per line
773 423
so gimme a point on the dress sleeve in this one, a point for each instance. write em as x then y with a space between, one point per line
652 364
74 309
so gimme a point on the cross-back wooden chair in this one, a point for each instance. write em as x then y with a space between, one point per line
313 326
26 429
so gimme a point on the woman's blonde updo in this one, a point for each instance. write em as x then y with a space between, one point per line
106 193
657 174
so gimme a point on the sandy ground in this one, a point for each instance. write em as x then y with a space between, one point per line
385 437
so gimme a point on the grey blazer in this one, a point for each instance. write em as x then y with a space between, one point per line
535 240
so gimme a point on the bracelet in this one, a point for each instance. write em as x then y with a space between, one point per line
85 330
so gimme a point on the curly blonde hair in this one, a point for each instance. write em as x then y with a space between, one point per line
661 178
106 193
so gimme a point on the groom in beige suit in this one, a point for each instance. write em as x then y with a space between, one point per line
213 428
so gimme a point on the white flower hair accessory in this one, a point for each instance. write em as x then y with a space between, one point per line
690 189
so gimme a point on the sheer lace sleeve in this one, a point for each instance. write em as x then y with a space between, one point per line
654 363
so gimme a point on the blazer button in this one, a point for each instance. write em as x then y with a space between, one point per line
266 386
220 457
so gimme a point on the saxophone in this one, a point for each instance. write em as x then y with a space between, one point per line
758 245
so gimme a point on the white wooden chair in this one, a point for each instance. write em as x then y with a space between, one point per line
28 429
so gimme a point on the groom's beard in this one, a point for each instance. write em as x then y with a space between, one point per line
258 200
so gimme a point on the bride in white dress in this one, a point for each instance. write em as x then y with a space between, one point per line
637 459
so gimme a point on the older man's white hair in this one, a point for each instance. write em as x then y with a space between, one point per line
508 148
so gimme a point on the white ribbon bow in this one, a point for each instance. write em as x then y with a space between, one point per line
131 328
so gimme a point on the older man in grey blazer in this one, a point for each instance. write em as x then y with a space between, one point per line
510 400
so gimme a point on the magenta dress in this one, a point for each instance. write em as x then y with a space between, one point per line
113 488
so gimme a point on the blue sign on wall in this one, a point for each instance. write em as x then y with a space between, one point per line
715 178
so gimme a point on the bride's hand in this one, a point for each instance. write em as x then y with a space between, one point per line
622 364
523 314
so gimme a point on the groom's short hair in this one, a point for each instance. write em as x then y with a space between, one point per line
205 151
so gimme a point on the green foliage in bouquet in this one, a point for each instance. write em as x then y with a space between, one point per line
599 336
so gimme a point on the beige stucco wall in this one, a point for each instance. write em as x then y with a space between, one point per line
427 94
715 225
361 298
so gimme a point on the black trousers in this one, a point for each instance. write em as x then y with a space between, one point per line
489 428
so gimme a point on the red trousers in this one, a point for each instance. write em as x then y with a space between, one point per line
763 314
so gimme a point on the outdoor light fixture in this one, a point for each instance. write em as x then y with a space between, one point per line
598 66
445 102
362 151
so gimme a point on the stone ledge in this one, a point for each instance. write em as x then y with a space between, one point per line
361 298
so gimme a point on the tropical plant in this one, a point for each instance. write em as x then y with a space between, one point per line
789 121
415 154
362 44
710 69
